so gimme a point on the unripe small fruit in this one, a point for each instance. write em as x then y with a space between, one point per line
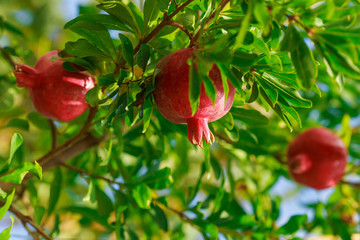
172 96
317 158
56 93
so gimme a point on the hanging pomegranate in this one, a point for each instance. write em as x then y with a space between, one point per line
56 93
171 95
317 158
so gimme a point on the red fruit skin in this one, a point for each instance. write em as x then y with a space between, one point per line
56 93
171 95
317 158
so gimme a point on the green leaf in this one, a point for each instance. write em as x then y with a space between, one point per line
301 57
305 66
288 110
16 142
90 195
108 21
271 92
261 46
247 221
289 78
291 40
160 218
340 62
7 204
288 93
83 48
142 195
208 228
94 96
128 49
249 116
152 11
254 93
231 76
106 80
134 90
346 131
18 174
122 12
262 15
19 123
38 120
210 89
143 56
97 35
77 62
194 191
194 87
104 205
243 59
138 15
276 108
160 179
244 27
55 190
5 234
147 112
90 214
39 214
293 225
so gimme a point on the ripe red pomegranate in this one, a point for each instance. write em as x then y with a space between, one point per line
317 158
172 96
56 93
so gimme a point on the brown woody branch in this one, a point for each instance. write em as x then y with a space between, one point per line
186 219
59 155
165 22
8 58
28 220
182 28
87 173
222 5
53 134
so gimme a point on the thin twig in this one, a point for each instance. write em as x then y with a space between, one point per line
222 5
181 27
84 172
54 138
88 123
191 222
296 19
357 185
8 58
165 22
25 219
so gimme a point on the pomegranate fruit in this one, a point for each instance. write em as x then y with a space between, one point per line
317 158
171 95
56 93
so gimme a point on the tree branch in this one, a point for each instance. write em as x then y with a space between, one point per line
8 58
59 155
25 219
53 134
190 221
166 21
222 5
84 172
357 185
181 27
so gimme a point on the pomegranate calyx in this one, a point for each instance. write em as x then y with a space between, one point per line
197 130
26 76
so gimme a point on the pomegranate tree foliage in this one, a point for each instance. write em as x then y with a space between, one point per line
122 170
